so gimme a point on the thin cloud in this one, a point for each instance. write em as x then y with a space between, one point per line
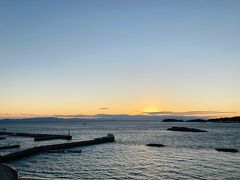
143 115
74 116
187 113
104 108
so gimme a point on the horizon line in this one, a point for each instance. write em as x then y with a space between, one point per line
157 114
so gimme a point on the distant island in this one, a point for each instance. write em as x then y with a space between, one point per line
225 120
196 120
215 120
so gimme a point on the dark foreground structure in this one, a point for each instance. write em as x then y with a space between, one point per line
40 149
7 173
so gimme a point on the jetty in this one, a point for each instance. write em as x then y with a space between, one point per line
37 137
10 146
40 149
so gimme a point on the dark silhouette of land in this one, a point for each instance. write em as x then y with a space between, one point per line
172 120
196 120
215 120
225 120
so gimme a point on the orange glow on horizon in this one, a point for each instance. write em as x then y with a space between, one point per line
150 110
133 106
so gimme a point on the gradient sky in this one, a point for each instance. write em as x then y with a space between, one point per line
112 57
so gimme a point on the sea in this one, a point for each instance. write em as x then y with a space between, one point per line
186 155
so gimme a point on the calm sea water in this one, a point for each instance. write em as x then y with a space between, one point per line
186 156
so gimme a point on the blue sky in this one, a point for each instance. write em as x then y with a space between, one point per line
72 57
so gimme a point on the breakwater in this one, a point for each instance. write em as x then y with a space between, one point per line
10 146
40 149
37 137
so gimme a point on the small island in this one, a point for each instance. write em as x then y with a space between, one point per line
227 150
185 129
155 145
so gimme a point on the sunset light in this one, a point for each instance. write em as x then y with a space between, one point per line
119 89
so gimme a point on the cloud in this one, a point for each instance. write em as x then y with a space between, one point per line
130 117
187 113
143 116
74 116
104 108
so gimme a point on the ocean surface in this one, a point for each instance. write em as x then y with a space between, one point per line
186 155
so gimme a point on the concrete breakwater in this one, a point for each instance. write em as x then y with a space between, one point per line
10 146
37 137
36 150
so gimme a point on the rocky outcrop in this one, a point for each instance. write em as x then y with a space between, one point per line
227 150
156 145
185 129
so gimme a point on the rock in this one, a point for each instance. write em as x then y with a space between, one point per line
185 129
155 145
227 150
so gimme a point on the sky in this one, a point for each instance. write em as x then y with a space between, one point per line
87 57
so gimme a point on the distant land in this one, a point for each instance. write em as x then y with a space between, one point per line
196 120
226 120
172 120
138 117
106 117
215 120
